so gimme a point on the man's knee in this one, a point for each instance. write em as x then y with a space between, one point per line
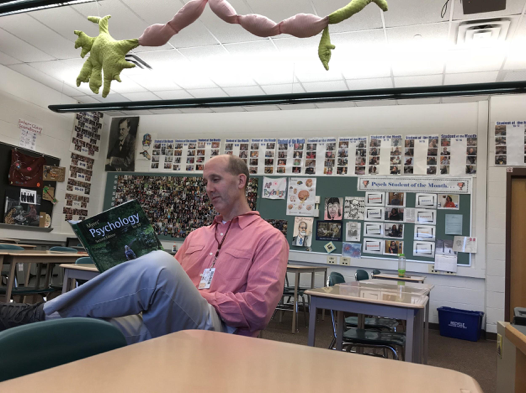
157 262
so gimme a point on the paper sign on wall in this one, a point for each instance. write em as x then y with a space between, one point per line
274 188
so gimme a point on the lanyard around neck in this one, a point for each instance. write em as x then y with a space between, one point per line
220 244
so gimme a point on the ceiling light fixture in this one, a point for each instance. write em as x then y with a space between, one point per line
303 98
21 6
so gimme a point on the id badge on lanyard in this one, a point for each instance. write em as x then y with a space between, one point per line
206 278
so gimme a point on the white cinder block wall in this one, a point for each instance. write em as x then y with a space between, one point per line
23 98
502 108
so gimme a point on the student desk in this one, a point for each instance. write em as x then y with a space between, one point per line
202 361
8 240
49 258
370 300
410 287
297 270
517 335
77 272
415 279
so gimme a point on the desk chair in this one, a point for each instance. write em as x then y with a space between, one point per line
361 275
41 345
376 271
288 291
370 337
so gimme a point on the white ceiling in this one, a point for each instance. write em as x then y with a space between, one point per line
410 45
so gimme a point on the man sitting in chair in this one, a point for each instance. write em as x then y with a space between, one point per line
227 277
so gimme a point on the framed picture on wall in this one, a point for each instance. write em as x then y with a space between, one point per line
329 230
121 146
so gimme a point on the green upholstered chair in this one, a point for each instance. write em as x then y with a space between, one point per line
361 275
10 247
63 249
373 335
376 271
84 261
38 346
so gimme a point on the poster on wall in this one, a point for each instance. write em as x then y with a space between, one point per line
262 156
85 139
354 208
274 188
121 145
145 146
510 143
302 236
459 185
28 134
323 156
352 156
301 196
291 156
237 147
456 150
385 155
421 155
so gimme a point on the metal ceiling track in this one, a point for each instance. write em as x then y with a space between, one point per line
11 7
404 93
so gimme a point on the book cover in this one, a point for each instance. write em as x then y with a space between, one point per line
117 235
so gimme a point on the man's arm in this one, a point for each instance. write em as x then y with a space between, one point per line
253 308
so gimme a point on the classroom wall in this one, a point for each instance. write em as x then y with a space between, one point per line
467 289
502 108
23 98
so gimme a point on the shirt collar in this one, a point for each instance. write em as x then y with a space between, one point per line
243 220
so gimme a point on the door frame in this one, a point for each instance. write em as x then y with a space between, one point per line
516 173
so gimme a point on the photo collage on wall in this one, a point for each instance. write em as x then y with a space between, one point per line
175 205
320 156
421 155
385 155
351 156
262 156
237 147
458 154
163 155
85 149
510 143
290 156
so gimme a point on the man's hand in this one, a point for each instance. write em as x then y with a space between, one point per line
325 47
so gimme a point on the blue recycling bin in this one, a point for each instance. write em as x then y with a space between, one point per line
462 324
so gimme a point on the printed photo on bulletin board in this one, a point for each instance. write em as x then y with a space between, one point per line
333 208
329 230
121 146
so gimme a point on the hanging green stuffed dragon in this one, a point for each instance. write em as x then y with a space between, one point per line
107 54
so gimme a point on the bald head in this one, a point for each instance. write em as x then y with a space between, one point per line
231 164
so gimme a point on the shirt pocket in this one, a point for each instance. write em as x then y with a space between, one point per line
236 263
193 256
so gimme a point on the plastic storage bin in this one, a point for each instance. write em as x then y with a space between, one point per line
460 323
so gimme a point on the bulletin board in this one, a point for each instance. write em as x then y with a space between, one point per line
5 164
333 187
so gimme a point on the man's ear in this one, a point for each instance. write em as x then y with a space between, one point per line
242 181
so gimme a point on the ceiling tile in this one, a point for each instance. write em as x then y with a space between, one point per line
257 50
244 91
206 93
349 44
154 82
273 72
413 12
145 96
366 67
113 97
41 77
368 18
126 86
173 95
40 36
365 84
512 7
70 20
313 71
325 86
162 60
20 50
512 76
205 53
420 37
283 89
123 25
8 60
418 63
471 77
230 74
86 100
414 81
474 60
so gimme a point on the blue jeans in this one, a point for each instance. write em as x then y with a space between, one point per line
145 298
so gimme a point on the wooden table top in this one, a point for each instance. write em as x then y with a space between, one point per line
517 337
89 267
355 292
305 268
410 287
202 361
24 246
410 278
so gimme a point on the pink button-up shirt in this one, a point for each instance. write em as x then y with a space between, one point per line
250 269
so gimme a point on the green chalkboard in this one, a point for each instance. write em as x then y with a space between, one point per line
332 187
